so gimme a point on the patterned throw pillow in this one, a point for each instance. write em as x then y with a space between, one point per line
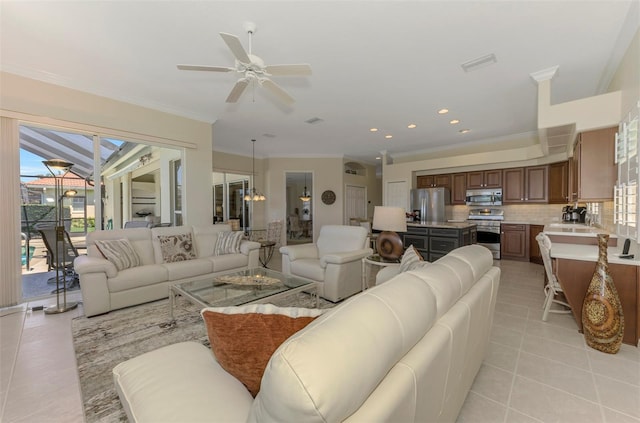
244 338
176 247
120 252
411 260
228 242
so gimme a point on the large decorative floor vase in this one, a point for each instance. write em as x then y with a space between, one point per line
602 319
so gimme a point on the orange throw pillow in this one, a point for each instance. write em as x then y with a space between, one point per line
244 338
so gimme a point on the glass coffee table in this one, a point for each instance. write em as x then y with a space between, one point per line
256 285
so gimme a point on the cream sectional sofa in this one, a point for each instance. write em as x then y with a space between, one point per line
104 288
407 350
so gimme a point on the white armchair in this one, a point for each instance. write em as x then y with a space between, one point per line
334 261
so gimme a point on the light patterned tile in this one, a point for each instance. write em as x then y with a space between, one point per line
619 396
612 416
509 321
548 404
570 379
614 367
477 409
502 356
557 351
493 383
514 416
507 337
556 333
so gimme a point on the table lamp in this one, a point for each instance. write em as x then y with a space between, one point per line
389 220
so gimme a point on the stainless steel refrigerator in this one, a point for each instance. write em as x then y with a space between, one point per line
430 204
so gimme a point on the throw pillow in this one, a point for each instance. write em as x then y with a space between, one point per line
228 242
120 252
244 338
411 260
176 247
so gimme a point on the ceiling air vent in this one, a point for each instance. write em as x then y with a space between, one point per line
314 120
480 62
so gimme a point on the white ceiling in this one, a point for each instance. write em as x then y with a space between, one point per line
381 64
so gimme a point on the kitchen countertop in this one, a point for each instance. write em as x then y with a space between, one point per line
585 252
575 229
448 225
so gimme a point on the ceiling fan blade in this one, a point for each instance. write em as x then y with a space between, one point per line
205 68
237 90
301 69
276 90
235 46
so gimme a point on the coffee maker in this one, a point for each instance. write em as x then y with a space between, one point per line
566 213
575 214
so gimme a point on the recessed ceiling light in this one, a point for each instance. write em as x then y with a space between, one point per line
373 130
464 131
388 136
454 121
378 158
411 125
443 111
480 62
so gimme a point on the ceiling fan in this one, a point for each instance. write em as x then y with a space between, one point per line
253 69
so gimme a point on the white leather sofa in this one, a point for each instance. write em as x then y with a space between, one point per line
334 261
404 351
104 288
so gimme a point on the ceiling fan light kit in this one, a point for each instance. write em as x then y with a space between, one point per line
253 69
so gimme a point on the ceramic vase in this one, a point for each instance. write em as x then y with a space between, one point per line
602 319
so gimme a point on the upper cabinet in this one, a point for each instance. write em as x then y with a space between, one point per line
432 181
484 179
594 172
459 188
559 183
525 185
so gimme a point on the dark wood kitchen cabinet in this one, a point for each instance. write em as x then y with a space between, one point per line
514 241
525 185
595 172
534 249
484 179
559 183
433 181
459 188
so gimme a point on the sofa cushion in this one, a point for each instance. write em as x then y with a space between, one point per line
193 391
341 238
188 269
317 374
205 238
136 277
176 247
244 338
228 243
228 262
120 252
165 231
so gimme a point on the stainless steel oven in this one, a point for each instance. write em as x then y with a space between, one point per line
488 228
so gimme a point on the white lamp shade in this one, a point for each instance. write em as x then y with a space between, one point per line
392 219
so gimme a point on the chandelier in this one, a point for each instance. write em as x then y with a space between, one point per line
306 195
254 195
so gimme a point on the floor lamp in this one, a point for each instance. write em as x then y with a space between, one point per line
63 168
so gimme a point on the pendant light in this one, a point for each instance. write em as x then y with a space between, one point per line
306 195
254 195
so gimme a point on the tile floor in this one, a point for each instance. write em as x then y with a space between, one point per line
534 371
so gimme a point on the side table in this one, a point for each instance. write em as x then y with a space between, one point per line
266 251
375 260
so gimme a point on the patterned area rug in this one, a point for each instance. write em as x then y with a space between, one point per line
102 342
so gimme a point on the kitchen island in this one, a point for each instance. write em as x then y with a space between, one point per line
574 264
435 239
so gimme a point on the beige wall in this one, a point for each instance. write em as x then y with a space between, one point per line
627 77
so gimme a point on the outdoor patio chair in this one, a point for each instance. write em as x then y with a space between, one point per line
66 255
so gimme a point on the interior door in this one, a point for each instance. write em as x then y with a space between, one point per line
355 203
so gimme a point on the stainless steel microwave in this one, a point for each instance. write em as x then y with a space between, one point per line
484 197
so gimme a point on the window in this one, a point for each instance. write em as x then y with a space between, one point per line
176 180
625 204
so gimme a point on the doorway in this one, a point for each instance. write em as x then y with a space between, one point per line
299 208
355 203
